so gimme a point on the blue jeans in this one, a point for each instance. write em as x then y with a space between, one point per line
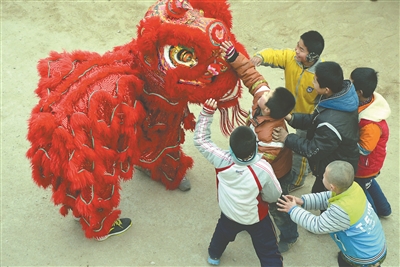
300 168
262 235
375 195
282 220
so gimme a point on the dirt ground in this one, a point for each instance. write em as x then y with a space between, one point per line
171 228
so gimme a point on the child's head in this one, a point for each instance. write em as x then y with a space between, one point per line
243 143
328 77
276 103
312 44
338 176
364 81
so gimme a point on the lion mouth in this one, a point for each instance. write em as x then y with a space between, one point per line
232 94
206 79
195 83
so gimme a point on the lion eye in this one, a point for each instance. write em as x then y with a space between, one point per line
180 55
185 56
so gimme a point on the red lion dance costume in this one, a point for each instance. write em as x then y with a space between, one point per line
101 115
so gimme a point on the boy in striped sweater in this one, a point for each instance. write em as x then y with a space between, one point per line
349 217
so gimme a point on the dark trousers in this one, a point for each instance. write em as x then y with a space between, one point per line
287 228
375 195
342 262
318 185
262 234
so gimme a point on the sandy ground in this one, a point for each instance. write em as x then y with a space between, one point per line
171 228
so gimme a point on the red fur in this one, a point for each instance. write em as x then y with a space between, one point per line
40 174
100 115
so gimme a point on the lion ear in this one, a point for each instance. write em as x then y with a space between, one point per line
217 9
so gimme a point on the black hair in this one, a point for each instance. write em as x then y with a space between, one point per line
329 74
243 142
365 79
314 42
280 103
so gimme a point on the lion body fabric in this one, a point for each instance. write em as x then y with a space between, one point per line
100 115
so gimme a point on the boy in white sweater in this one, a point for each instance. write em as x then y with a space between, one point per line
245 183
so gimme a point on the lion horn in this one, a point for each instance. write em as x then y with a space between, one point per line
177 8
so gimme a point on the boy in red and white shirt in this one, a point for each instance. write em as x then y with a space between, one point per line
246 184
373 111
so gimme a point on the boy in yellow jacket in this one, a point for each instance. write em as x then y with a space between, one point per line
299 67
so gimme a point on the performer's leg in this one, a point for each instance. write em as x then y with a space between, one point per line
96 206
170 168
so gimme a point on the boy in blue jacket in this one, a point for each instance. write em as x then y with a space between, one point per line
349 217
332 129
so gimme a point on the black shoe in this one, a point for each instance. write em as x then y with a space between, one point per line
118 227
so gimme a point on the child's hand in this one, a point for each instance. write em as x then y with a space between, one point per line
286 203
228 48
279 134
256 60
298 200
210 105
226 45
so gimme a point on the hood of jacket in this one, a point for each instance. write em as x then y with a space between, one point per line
377 111
345 100
257 157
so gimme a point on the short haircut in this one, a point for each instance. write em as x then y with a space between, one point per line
314 42
329 74
243 142
340 173
280 103
365 79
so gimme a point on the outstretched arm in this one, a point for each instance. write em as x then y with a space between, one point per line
202 134
332 220
325 140
286 203
273 58
246 70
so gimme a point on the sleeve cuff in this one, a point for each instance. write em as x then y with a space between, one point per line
290 211
304 202
208 110
258 55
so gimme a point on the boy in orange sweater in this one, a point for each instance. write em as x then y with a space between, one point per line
373 110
